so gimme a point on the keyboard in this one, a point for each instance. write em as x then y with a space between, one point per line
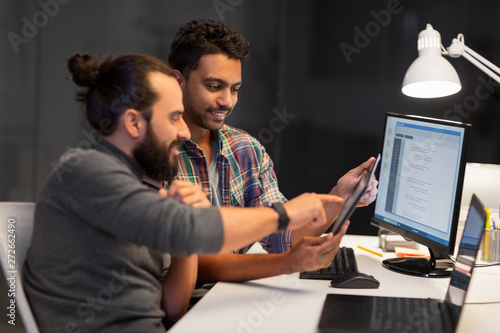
409 315
343 262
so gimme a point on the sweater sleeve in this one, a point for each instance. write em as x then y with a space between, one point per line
105 194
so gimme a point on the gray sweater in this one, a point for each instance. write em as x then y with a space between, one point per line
99 245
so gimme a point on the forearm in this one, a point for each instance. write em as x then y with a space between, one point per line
241 267
243 226
310 253
178 285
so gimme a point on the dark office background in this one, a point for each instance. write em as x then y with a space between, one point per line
334 105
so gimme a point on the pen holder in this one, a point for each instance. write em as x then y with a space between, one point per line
490 245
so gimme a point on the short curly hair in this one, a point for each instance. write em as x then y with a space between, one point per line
201 37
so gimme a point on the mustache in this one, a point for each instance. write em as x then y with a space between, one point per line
177 143
220 109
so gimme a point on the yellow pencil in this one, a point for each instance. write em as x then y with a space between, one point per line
371 251
486 253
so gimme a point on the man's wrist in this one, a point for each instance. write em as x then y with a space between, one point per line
334 191
283 219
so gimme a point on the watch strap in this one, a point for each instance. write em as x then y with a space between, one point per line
283 219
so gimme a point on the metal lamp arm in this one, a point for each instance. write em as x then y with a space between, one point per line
458 48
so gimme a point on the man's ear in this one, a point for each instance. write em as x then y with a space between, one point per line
134 123
180 78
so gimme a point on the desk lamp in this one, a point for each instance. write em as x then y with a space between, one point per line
431 75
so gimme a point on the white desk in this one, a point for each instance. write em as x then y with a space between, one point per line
286 303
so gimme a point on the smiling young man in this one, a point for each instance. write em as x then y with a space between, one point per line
232 167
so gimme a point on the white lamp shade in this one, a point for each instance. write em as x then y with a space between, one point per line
431 76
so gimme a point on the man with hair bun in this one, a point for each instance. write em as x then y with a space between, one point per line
103 230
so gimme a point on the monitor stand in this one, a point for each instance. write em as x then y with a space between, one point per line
423 267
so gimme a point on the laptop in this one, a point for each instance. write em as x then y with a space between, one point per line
399 314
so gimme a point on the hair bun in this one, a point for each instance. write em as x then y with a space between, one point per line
84 70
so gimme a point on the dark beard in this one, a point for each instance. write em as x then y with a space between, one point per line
155 159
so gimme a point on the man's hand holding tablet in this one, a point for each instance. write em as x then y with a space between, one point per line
351 202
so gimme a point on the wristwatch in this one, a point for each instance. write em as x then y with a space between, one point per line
283 217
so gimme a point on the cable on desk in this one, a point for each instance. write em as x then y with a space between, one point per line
487 265
453 259
483 303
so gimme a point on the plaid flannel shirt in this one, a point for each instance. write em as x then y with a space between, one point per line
246 177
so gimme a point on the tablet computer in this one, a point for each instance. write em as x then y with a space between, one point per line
351 202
